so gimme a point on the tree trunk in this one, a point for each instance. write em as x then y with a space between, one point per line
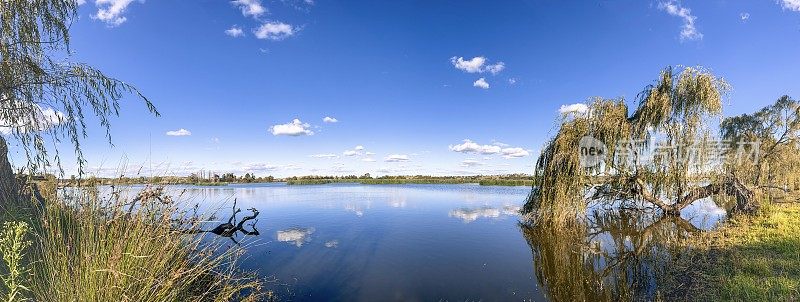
730 185
9 189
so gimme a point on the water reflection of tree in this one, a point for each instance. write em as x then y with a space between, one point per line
609 256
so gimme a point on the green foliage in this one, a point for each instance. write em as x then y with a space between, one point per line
44 95
12 247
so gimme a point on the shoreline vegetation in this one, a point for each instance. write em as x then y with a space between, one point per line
746 259
366 179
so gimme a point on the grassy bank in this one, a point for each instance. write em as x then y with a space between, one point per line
87 249
747 259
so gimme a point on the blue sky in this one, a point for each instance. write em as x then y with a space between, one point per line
231 73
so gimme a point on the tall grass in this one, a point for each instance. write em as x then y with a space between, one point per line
88 248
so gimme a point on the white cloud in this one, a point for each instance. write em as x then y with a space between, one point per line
368 159
471 147
512 81
250 7
369 153
481 83
577 108
689 31
329 119
37 120
179 132
359 148
350 153
474 65
470 163
81 2
326 155
497 148
514 152
791 5
746 16
496 68
275 31
235 31
111 11
477 65
396 158
293 128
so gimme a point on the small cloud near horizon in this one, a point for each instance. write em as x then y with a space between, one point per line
179 132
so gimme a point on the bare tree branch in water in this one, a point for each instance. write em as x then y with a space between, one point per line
231 228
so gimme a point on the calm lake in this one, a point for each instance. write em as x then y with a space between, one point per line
352 242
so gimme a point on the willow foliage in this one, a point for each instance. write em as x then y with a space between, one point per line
44 95
675 109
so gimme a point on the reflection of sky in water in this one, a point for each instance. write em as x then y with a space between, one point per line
350 242
704 214
391 242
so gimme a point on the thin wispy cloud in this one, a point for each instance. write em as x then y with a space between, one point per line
514 152
235 31
325 155
329 119
471 163
793 5
293 128
688 31
396 158
179 132
350 153
250 8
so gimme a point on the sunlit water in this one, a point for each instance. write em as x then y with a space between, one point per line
352 242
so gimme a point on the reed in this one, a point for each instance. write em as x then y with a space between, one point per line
88 248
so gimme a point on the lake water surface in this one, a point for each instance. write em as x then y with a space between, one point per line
353 242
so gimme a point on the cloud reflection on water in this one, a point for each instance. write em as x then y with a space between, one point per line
296 236
468 215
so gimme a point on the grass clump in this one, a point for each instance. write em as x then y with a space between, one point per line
87 248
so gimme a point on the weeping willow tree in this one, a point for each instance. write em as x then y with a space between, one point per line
660 155
44 97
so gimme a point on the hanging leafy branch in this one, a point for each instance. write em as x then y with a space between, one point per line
42 96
